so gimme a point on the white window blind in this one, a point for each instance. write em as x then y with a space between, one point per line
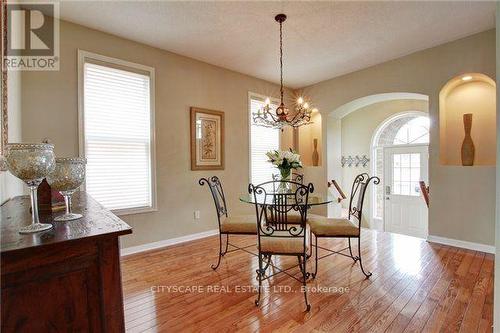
117 136
262 140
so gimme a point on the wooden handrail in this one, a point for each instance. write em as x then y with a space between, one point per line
339 190
425 192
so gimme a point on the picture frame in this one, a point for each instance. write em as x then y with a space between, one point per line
207 139
4 129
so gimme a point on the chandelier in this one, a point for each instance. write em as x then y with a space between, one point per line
281 117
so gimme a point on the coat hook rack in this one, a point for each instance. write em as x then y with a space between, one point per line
355 161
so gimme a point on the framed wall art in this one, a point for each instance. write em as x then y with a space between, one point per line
207 139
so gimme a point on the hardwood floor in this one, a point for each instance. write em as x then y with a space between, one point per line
416 287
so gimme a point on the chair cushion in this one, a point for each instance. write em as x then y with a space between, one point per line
239 224
323 226
284 245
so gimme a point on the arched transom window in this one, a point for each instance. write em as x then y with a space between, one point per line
414 131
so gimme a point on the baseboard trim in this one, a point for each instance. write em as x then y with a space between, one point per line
178 240
167 242
461 243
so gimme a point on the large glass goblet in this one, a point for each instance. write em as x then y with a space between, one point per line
66 178
31 162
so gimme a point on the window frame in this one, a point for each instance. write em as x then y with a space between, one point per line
256 96
86 56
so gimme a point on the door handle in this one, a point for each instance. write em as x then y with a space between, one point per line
387 190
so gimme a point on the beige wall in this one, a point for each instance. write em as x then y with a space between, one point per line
11 186
426 72
357 130
50 110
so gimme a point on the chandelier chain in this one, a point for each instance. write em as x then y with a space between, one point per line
281 61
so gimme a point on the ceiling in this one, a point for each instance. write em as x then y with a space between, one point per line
322 40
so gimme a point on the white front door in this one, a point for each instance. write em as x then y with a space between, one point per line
405 211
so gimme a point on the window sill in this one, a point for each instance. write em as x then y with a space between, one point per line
132 211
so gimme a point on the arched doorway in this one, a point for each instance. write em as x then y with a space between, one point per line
400 158
333 129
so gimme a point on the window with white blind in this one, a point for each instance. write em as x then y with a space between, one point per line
117 132
262 140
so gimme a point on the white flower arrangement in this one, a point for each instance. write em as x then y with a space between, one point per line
285 161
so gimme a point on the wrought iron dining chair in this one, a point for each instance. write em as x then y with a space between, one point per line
295 178
350 227
298 177
276 234
293 216
228 225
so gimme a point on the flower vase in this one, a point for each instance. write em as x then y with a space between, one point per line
285 178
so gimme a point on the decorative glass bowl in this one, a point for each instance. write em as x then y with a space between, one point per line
66 178
31 162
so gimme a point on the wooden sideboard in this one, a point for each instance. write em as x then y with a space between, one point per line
66 279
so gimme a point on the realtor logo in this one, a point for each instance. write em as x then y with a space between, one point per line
32 36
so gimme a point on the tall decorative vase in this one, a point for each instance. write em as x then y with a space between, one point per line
468 149
315 155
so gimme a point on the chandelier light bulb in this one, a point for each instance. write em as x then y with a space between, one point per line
267 101
300 100
306 105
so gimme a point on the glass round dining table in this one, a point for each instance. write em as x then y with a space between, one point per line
270 199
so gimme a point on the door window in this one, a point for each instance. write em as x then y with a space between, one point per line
406 174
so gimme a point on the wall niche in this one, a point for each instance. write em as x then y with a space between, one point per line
473 93
306 137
